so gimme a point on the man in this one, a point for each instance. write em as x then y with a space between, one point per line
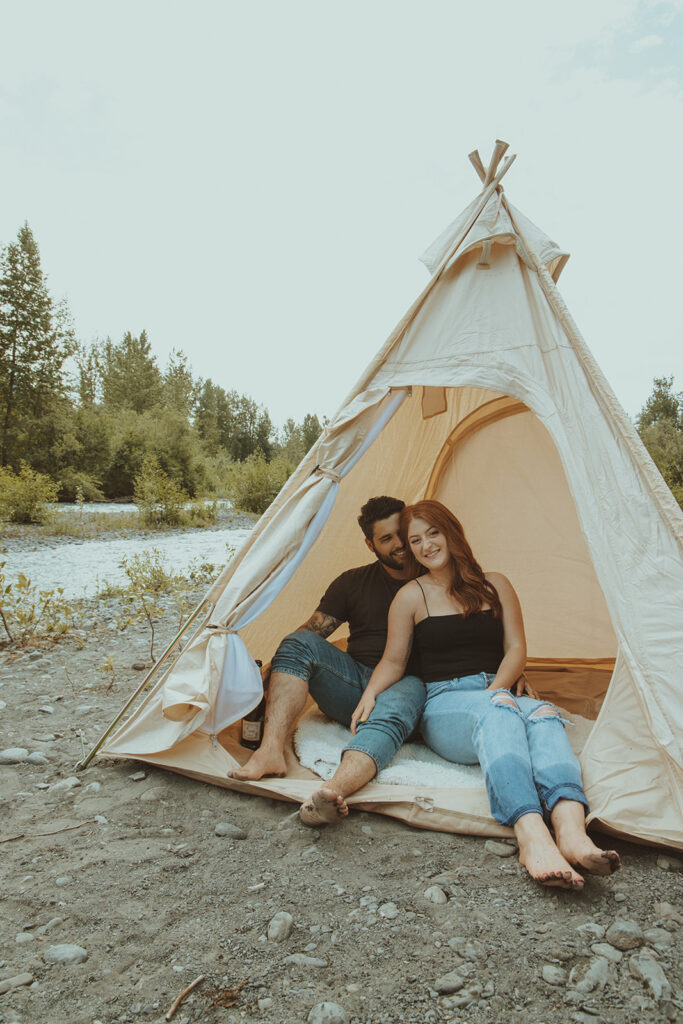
305 663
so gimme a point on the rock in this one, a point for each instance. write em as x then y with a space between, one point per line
23 937
65 785
265 1003
101 820
52 923
13 755
449 983
92 787
153 793
328 1013
3 705
499 849
310 853
47 709
225 829
669 863
37 757
620 897
435 894
388 910
596 976
7 984
138 776
591 930
625 935
139 666
63 880
302 960
280 926
660 938
554 975
464 998
67 953
668 913
366 830
647 970
609 952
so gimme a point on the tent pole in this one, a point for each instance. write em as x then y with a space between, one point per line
152 672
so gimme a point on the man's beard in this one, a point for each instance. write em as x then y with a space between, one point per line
390 561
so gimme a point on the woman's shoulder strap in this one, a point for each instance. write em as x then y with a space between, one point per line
423 595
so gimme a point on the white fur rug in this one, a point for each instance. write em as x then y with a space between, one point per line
319 742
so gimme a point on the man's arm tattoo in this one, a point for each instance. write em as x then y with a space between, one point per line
323 625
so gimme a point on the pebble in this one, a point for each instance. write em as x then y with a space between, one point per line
625 935
47 709
13 755
7 984
153 793
668 913
596 976
388 910
63 880
669 863
620 897
92 787
366 830
435 894
138 776
647 970
52 923
65 785
3 705
138 666
265 1003
67 953
554 975
24 937
37 757
449 983
328 1013
609 952
592 929
280 926
225 829
499 849
303 960
660 938
464 998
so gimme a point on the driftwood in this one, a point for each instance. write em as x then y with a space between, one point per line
185 992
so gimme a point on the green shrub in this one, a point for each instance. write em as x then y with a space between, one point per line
253 484
74 485
28 613
160 500
25 496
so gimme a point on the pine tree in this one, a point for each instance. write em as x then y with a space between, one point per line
130 376
36 337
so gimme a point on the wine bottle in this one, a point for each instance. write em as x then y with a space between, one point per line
252 724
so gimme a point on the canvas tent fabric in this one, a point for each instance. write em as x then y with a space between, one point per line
486 398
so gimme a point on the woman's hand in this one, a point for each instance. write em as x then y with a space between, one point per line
362 712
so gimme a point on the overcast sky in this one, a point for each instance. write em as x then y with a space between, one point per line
254 182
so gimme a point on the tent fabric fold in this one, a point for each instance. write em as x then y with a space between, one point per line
487 398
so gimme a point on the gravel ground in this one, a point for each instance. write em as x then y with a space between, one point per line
165 878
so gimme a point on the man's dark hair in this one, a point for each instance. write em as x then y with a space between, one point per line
375 509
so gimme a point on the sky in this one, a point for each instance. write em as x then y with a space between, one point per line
253 183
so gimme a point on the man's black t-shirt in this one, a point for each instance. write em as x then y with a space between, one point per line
362 597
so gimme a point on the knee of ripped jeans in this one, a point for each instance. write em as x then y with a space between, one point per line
504 699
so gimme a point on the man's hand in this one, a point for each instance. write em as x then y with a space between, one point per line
523 688
362 712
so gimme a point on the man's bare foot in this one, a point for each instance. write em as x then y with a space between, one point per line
325 807
582 851
262 762
546 865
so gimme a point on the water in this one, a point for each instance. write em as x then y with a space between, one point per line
82 567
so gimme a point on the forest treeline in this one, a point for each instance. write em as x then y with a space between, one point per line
89 415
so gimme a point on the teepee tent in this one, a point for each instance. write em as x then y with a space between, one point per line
485 397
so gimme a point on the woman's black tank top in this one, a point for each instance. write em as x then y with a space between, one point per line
452 646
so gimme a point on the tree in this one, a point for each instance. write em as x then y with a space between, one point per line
297 438
130 376
179 388
36 337
660 425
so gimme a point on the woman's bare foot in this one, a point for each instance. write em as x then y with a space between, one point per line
585 854
569 822
262 762
325 807
541 857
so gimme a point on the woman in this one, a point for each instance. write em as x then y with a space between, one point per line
467 631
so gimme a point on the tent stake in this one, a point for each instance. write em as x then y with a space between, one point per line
152 672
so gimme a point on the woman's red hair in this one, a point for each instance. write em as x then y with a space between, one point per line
470 587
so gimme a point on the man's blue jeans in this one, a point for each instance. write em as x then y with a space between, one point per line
336 682
520 743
